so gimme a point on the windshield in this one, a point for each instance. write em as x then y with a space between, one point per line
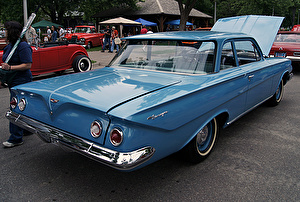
289 38
82 30
192 57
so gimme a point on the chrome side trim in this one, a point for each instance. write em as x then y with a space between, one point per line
115 159
245 112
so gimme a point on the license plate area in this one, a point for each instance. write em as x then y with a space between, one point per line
280 54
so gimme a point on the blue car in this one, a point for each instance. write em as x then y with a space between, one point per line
162 93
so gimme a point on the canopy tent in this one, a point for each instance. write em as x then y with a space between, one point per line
120 21
146 22
44 24
176 22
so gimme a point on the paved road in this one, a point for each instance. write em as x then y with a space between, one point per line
256 159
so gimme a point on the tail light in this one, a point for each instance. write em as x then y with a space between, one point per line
96 129
22 104
13 102
116 137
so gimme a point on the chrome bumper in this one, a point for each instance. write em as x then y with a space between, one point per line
117 160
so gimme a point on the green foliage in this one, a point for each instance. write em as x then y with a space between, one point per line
55 10
286 8
10 10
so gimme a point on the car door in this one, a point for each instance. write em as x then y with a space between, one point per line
49 57
236 84
257 72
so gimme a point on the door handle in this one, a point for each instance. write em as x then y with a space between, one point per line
250 77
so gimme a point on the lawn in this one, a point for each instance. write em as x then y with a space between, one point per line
98 48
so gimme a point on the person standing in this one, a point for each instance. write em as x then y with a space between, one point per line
61 33
114 36
107 37
150 31
144 30
48 33
54 34
31 36
18 68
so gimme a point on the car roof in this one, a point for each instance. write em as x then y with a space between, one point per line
187 36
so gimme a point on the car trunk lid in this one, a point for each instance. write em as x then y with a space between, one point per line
103 91
262 28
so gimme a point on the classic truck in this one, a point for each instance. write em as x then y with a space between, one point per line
86 36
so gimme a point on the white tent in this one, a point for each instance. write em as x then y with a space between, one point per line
120 21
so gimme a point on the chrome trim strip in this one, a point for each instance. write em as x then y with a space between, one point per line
247 111
115 159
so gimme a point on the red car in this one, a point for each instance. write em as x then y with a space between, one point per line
296 28
85 36
2 43
57 57
287 44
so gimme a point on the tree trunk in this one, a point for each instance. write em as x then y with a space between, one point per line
185 12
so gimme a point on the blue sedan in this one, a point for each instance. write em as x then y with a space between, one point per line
162 93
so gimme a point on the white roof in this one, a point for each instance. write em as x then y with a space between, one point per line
120 21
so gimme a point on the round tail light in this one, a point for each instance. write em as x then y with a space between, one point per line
116 137
13 102
22 104
96 129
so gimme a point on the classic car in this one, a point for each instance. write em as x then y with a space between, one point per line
86 36
159 95
296 28
287 44
57 57
2 43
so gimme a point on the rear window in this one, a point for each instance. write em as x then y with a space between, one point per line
188 57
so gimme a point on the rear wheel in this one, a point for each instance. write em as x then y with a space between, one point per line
82 63
202 144
278 95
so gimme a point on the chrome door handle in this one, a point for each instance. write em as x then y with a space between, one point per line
250 77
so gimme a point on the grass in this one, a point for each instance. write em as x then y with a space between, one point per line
98 48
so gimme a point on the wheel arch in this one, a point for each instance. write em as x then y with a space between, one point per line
75 54
221 118
286 77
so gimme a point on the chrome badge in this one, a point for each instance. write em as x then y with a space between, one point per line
156 116
54 100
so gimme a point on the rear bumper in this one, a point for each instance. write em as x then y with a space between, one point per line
115 159
293 58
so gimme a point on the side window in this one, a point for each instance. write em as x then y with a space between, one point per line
227 57
246 52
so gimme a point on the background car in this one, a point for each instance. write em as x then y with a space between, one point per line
296 28
287 44
86 36
159 95
57 57
2 43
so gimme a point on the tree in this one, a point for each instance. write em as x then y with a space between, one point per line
185 10
11 10
56 9
91 7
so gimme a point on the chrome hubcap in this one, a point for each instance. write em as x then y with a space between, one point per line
202 135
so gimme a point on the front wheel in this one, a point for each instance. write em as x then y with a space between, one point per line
202 144
278 95
82 63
